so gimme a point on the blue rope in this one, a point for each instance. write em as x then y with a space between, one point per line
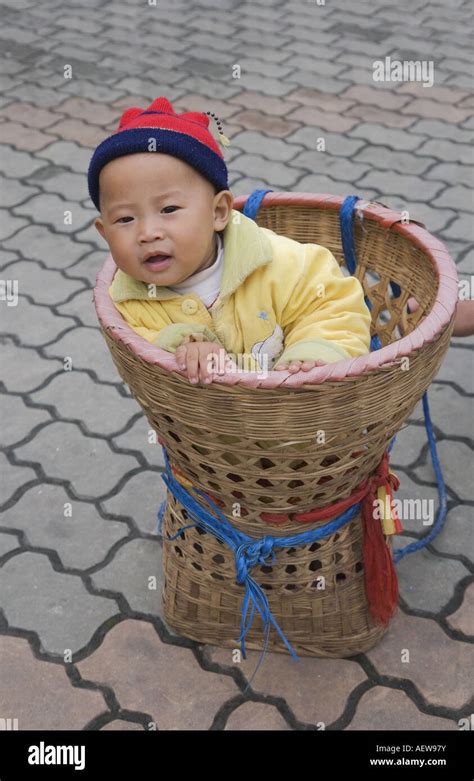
443 501
248 551
252 204
348 246
346 226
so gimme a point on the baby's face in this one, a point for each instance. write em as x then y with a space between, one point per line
152 202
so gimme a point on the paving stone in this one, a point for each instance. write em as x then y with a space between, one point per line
409 441
81 306
456 197
464 260
427 582
18 164
457 534
332 85
333 167
18 419
223 108
322 119
6 258
271 126
140 499
278 174
431 109
91 111
13 478
273 148
135 571
38 242
447 151
442 94
40 514
454 361
388 709
87 89
121 724
336 143
260 37
8 542
409 187
248 100
256 716
461 229
315 689
245 185
164 680
51 210
141 437
450 411
55 606
318 66
9 66
75 130
9 225
314 98
315 183
34 325
380 116
452 172
392 137
43 285
13 192
436 663
23 369
386 99
383 158
432 127
43 697
90 351
64 391
72 186
90 466
24 138
30 115
85 26
463 619
87 267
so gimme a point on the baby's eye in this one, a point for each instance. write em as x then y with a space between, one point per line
124 218
170 207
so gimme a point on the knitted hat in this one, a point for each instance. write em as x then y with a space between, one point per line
181 135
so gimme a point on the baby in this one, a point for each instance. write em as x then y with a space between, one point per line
198 278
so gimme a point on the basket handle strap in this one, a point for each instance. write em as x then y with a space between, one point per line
253 202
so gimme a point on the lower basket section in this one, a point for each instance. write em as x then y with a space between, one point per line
316 592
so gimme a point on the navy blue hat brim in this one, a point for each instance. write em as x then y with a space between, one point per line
170 142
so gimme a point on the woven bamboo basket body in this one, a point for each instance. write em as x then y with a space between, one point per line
287 444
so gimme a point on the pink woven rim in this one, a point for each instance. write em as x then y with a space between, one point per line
427 331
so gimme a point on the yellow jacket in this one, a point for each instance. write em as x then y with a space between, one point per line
280 300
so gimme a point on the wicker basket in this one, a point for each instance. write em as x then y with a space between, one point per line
225 438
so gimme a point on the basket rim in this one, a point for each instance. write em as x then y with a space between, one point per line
426 331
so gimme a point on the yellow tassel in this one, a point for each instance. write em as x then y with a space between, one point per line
388 524
223 139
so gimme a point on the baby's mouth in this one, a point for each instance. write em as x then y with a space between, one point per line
158 261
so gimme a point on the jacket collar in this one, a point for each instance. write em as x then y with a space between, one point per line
246 248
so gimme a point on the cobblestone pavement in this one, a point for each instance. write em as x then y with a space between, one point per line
83 641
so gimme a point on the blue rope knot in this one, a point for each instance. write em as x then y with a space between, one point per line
248 554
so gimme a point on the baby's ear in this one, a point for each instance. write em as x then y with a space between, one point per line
99 225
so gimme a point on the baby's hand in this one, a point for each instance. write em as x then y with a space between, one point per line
295 366
202 360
